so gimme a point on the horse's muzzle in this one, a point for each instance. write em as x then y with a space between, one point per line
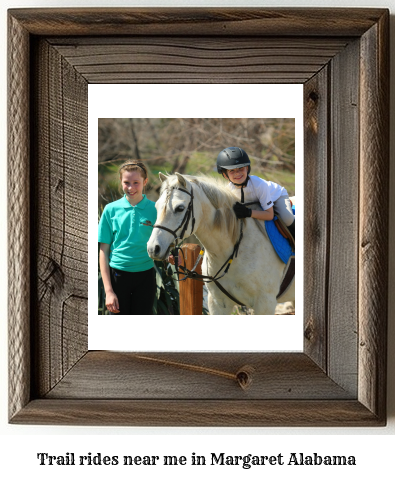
157 253
154 252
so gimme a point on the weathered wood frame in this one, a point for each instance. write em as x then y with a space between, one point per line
342 58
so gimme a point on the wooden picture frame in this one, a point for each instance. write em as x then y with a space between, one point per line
342 58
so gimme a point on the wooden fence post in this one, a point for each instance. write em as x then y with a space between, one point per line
191 291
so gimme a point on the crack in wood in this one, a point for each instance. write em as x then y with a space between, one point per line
243 376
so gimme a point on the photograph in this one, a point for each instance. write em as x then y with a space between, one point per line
167 182
194 215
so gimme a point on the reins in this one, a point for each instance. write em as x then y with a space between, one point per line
191 273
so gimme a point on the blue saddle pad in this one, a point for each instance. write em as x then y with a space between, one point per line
280 243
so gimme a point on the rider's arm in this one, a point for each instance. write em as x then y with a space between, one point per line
263 215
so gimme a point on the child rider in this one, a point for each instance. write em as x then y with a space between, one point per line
235 165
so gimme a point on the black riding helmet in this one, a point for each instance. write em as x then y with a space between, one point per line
232 158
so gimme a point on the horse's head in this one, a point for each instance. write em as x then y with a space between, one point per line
175 215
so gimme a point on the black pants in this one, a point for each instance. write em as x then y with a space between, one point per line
135 291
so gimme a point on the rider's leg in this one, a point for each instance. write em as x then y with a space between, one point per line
283 209
291 229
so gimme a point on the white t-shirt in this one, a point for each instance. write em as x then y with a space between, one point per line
257 189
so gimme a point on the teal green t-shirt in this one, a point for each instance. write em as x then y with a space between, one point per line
120 226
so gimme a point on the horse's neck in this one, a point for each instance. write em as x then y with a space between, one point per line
217 244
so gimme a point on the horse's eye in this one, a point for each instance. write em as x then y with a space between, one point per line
180 208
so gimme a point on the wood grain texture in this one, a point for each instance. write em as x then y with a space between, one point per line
60 248
307 22
340 377
374 223
183 376
18 218
202 413
188 59
344 215
316 213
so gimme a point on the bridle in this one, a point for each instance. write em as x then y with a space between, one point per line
191 273
187 216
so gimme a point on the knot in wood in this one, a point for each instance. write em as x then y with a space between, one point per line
244 376
308 332
313 96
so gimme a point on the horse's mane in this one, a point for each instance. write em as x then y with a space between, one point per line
220 197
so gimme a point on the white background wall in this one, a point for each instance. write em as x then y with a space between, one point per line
373 448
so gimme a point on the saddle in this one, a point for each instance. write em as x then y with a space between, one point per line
281 239
284 244
284 231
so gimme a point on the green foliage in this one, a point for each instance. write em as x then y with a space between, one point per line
191 146
109 185
167 299
282 177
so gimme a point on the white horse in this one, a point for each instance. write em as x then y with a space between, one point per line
255 273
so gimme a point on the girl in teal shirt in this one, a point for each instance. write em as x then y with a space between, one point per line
127 271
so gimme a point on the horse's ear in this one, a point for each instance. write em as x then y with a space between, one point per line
181 180
162 177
